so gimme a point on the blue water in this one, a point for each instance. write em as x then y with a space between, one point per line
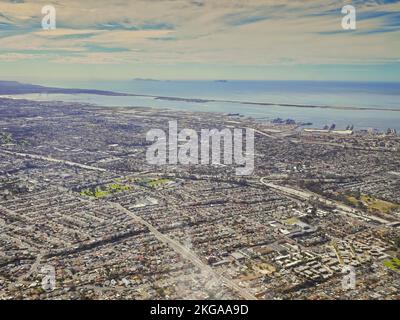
337 94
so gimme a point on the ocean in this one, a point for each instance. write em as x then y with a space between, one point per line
343 99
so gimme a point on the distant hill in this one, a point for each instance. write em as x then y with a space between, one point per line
14 87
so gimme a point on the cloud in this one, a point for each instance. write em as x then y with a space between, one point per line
252 32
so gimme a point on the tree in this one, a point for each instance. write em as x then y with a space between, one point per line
397 242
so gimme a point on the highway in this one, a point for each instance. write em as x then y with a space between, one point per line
187 254
306 195
38 157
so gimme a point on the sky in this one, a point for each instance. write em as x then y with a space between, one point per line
199 40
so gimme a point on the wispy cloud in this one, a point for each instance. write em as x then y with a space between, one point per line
252 32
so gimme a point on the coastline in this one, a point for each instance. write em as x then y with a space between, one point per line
299 125
197 100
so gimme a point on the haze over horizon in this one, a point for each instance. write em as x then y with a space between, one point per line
199 40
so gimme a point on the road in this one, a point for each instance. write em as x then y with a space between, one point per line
341 145
38 157
306 195
394 173
265 134
187 254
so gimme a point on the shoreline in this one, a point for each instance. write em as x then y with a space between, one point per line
238 117
198 100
